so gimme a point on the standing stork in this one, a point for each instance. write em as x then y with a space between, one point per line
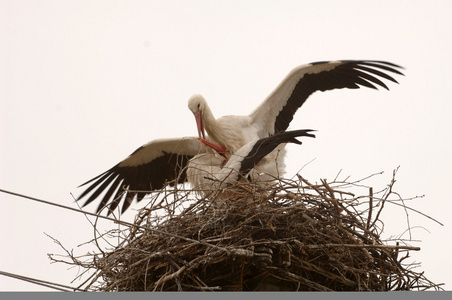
276 112
176 160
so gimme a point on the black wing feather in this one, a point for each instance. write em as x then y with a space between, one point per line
135 182
266 145
350 74
113 188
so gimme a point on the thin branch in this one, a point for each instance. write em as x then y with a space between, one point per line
49 284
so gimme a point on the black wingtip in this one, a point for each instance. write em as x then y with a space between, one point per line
264 146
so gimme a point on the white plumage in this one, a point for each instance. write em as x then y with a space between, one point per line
256 161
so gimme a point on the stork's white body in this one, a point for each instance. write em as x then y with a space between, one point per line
208 172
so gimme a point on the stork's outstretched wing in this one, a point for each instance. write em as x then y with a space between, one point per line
276 112
148 168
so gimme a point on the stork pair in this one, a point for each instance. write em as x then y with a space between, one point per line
251 145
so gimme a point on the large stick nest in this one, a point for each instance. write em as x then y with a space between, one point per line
292 236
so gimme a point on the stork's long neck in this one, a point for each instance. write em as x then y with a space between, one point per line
211 125
226 131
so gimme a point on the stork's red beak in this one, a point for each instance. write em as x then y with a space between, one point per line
202 136
200 125
220 149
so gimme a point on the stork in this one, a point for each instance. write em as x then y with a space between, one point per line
164 161
276 112
207 172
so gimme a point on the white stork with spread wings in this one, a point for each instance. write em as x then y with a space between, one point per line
276 112
161 161
164 161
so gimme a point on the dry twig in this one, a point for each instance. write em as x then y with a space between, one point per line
293 236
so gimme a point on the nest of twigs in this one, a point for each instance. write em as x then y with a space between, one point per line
291 236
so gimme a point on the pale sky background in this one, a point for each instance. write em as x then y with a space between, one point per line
84 83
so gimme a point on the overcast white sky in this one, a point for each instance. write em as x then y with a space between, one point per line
84 83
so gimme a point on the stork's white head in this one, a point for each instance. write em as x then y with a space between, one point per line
197 104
